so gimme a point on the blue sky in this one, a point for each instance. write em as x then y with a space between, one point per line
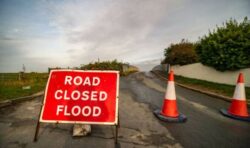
42 34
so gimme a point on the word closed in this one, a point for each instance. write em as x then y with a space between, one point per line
89 97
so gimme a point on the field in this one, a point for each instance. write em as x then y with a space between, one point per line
14 85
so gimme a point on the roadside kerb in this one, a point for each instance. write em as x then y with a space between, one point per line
20 99
217 96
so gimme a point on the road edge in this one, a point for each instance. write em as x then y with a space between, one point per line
20 99
217 96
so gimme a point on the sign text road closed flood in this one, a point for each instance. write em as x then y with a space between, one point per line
81 96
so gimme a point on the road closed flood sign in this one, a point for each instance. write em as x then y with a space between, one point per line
74 96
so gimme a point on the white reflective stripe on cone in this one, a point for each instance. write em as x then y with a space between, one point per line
170 93
239 92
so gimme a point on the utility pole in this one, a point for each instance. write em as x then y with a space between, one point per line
23 68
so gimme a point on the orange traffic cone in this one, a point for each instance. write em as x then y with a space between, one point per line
169 110
238 108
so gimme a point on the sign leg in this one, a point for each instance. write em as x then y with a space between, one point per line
37 130
117 144
37 125
116 132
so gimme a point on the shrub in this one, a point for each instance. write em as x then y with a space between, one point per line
227 47
181 53
106 65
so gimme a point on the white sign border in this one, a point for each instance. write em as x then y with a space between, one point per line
83 122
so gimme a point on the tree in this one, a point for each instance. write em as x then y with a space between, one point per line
181 53
227 47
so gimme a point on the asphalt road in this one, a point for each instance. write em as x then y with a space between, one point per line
205 127
140 95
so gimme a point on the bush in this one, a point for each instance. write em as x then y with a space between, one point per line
227 47
180 54
106 65
124 68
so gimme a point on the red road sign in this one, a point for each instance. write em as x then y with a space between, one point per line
74 96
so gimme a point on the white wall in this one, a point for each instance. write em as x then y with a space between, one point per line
199 71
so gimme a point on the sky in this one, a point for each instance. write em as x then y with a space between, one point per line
51 33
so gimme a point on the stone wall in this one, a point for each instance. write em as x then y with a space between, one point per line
202 72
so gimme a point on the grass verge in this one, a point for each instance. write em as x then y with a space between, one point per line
11 87
222 89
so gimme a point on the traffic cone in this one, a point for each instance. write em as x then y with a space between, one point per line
238 108
169 112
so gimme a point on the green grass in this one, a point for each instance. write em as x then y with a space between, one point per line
222 89
11 87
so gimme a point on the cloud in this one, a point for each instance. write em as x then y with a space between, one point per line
137 29
119 29
37 54
70 33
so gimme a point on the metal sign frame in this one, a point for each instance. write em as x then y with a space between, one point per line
116 123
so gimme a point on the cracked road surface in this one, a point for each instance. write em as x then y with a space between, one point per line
139 95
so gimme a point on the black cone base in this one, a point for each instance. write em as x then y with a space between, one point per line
181 118
227 114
